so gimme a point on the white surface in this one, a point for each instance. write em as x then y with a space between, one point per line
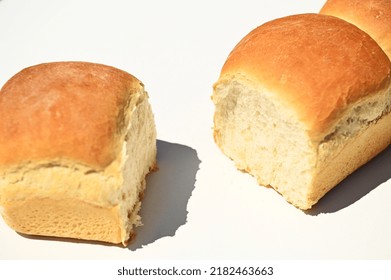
177 49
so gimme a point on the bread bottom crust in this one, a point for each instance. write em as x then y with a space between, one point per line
70 218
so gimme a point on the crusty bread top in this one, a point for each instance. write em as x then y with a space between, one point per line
65 110
316 64
372 16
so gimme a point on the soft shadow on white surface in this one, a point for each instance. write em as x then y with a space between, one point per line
164 206
356 186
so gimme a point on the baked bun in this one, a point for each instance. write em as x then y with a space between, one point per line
77 140
372 16
301 102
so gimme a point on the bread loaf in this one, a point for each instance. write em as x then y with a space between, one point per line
301 102
77 140
372 16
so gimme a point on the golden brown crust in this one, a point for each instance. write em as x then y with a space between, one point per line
341 65
372 16
70 110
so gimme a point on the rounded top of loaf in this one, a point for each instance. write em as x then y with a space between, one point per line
372 16
314 64
65 110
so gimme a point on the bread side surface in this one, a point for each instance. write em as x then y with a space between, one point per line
357 151
372 16
364 130
139 154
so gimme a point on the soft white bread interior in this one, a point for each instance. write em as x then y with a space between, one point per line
77 140
302 102
372 16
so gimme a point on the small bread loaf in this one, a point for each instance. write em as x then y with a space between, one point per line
301 102
77 140
372 16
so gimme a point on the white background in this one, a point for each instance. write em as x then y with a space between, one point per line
198 206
